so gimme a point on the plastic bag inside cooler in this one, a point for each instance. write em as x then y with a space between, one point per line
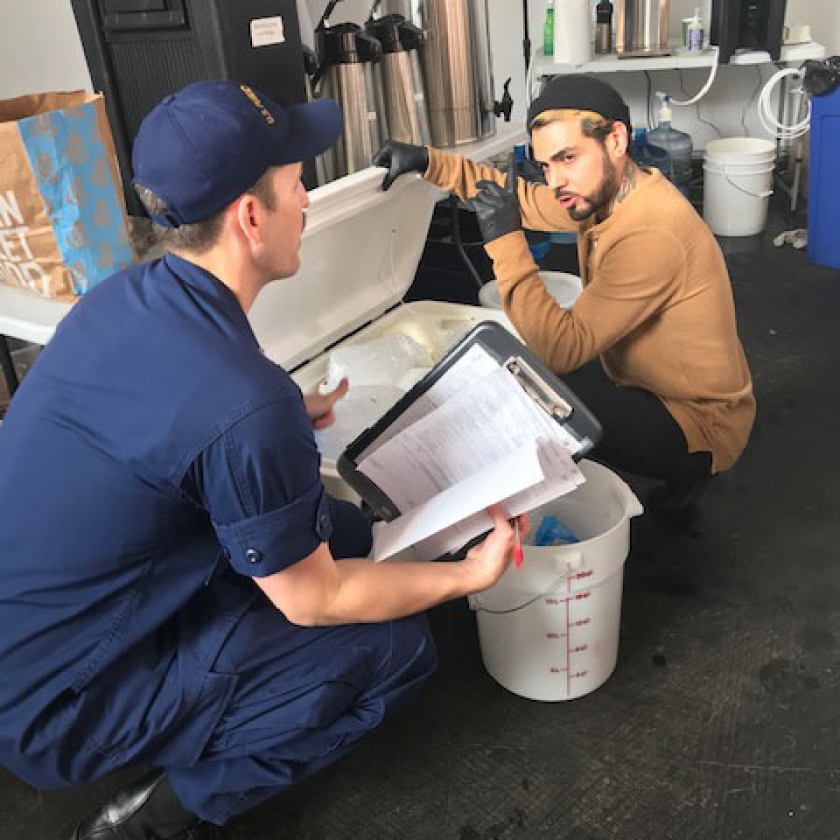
382 362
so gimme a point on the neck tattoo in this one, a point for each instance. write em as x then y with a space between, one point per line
628 181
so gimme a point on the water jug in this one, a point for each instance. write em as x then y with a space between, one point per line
650 156
399 78
346 56
678 144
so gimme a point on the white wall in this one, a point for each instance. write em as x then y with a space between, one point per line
824 18
42 51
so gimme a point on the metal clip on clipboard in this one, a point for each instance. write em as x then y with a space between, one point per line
538 389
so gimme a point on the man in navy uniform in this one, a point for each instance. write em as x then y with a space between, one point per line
179 592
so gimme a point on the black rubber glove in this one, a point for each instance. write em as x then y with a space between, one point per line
399 158
497 208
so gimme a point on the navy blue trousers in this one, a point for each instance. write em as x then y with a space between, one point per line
304 697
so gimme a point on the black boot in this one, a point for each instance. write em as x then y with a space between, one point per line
676 504
147 809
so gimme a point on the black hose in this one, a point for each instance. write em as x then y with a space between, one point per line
526 37
455 226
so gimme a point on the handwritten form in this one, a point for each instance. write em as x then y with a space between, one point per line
473 439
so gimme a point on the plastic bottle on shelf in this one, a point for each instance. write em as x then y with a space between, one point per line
548 30
678 144
603 27
694 34
650 156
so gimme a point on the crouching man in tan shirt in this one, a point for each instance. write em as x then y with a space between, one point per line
651 345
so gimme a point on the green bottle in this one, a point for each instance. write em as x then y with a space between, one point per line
548 31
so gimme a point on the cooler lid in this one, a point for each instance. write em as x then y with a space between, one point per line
359 254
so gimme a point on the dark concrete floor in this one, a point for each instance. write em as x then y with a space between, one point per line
722 718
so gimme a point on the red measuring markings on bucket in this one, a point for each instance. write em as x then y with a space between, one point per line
577 675
557 602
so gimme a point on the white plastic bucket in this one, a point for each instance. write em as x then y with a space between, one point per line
737 184
563 287
549 630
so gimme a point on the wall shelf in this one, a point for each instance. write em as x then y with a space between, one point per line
681 59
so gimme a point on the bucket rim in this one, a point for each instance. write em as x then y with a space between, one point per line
632 507
743 147
754 168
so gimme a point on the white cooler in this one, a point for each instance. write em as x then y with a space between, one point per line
359 255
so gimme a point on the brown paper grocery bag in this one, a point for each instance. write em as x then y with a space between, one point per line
63 224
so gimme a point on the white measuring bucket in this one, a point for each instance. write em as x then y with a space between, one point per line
737 183
549 630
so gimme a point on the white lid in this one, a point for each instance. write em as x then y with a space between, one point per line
664 111
358 258
359 254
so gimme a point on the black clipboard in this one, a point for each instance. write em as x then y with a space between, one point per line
544 387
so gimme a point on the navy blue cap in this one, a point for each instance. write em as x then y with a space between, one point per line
204 146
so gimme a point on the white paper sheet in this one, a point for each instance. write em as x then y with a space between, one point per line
487 418
517 471
524 479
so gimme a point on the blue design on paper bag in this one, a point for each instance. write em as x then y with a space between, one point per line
67 156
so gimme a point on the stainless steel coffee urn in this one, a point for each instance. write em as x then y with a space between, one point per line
346 56
641 28
399 76
457 68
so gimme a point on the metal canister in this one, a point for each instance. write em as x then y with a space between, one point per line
344 74
399 78
456 66
641 28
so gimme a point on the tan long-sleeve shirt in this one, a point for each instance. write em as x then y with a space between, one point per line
656 305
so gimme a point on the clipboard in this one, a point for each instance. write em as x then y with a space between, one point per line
549 392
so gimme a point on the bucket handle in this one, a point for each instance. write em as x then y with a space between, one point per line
572 565
741 189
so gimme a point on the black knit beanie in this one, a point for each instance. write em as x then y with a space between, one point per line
580 93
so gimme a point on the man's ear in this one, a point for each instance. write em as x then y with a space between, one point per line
247 216
618 139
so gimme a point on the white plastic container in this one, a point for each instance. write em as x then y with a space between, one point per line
549 630
563 287
359 255
572 31
737 184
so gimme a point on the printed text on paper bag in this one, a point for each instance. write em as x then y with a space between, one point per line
17 265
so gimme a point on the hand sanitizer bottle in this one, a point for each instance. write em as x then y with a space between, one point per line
694 35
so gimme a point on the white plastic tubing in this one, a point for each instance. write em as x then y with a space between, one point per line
705 89
765 108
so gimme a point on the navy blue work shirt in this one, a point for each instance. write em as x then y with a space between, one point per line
151 441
